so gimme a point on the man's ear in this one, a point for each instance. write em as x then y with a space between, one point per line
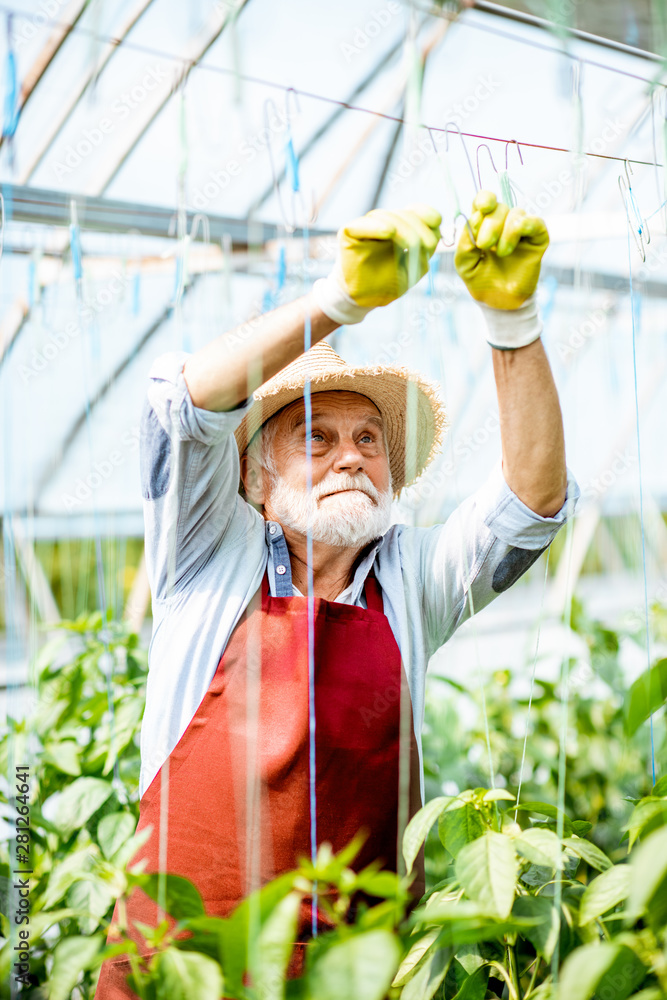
253 477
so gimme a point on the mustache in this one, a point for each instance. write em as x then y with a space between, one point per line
343 483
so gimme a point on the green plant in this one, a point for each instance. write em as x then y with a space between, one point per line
83 790
524 905
516 912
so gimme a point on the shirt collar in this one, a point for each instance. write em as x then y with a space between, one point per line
280 569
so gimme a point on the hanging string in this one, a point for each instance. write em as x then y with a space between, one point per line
633 317
453 193
564 693
106 660
532 683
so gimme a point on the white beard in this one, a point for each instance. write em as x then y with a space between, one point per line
346 520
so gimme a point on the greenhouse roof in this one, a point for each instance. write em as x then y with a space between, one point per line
171 135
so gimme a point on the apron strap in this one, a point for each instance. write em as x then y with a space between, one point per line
373 594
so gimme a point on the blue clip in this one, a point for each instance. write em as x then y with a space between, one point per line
292 164
32 274
282 268
75 247
136 294
11 111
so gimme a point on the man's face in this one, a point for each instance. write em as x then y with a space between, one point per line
351 493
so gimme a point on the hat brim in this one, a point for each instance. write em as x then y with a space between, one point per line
410 406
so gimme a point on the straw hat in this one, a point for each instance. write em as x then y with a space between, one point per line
410 405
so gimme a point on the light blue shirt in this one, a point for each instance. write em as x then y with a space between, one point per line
207 551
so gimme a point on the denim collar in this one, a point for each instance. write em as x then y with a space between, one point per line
280 569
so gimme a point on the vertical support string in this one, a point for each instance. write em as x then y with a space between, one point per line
633 318
532 683
106 660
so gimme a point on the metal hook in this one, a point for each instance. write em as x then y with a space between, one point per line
465 149
512 142
484 145
639 227
452 188
270 105
628 171
200 220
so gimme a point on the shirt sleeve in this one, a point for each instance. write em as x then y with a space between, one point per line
489 541
189 479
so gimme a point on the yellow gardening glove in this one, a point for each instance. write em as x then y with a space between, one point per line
380 256
503 268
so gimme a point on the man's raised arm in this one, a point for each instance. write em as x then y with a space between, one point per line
380 256
501 269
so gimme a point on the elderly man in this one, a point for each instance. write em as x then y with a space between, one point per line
293 625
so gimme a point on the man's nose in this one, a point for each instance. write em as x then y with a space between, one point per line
348 458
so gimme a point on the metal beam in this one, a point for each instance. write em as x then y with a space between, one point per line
79 422
52 208
53 45
531 20
155 101
67 107
330 121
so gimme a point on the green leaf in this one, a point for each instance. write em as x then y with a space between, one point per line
541 847
362 967
648 814
63 755
474 988
487 869
67 871
113 830
77 803
243 925
648 889
581 827
460 825
417 829
588 852
417 952
183 975
660 787
498 795
607 970
425 984
604 893
646 696
92 899
72 956
274 948
544 934
181 898
546 809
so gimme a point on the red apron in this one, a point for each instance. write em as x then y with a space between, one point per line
238 779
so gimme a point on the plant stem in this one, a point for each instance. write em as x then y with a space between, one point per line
514 970
533 978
